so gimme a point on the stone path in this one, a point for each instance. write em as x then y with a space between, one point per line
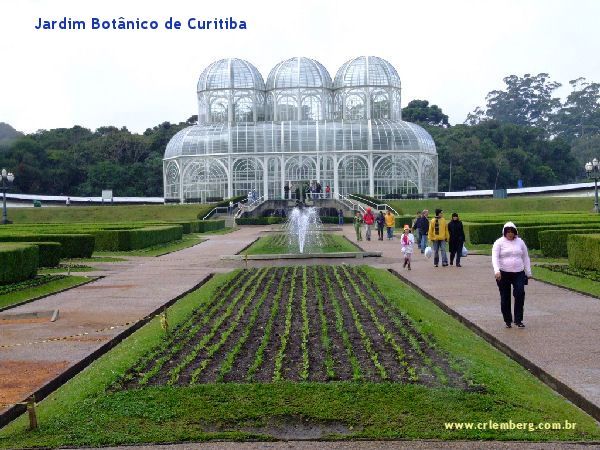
562 335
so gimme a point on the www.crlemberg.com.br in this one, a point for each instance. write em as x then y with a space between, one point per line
95 23
510 425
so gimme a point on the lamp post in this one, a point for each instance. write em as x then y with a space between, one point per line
592 170
7 179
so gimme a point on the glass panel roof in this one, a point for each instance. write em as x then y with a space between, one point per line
232 73
299 73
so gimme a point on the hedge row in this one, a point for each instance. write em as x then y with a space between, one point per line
529 232
125 240
553 243
584 251
259 220
18 262
71 245
210 225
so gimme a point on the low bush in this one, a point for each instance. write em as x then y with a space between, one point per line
584 251
259 220
487 233
210 225
48 253
18 262
553 243
72 245
125 240
404 220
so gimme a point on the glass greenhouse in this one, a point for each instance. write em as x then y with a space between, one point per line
300 127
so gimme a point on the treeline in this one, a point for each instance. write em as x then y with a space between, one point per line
523 133
76 161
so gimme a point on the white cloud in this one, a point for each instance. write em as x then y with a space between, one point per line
450 53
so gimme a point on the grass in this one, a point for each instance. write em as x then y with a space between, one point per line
270 245
188 240
575 283
85 412
62 268
108 214
93 259
17 297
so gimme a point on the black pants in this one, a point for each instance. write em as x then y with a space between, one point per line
380 233
518 281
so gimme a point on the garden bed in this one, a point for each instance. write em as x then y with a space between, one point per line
281 244
298 324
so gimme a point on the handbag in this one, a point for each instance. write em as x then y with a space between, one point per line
464 251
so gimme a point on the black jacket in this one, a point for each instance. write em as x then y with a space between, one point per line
422 223
457 232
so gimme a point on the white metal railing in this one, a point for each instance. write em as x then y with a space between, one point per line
377 206
350 204
248 206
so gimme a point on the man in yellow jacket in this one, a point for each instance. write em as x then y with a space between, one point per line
390 223
438 235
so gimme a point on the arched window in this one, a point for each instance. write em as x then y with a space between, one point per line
287 108
243 110
353 175
311 108
218 110
380 106
354 107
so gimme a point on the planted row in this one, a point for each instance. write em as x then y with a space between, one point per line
317 323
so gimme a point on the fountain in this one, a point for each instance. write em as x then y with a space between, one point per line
303 228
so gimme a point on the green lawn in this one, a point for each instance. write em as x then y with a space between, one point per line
86 412
277 244
575 283
108 214
52 286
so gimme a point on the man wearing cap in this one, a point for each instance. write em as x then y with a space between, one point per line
438 235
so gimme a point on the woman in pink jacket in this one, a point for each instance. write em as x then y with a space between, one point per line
512 267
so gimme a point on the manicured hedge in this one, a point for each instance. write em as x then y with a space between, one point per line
404 220
584 251
72 245
487 233
48 253
18 262
210 225
335 219
125 240
259 220
553 243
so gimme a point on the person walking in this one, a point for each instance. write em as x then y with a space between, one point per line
512 267
390 223
408 241
327 191
340 217
369 220
358 221
380 220
438 235
415 229
422 224
457 239
286 191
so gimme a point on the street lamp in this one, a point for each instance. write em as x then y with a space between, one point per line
7 179
592 170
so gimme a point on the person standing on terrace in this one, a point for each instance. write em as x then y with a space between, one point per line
512 267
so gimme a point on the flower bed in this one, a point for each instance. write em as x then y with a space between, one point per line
319 323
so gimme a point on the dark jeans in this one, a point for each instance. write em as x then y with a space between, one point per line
517 280
380 232
455 250
390 232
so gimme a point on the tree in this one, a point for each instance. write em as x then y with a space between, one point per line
526 101
579 116
419 111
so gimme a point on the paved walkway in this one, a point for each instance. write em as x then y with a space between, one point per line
562 335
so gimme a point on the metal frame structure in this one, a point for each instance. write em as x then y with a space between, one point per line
299 127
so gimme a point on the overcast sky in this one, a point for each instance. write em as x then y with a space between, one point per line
451 53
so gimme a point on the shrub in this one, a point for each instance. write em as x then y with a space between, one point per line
48 253
124 240
210 225
259 220
18 262
404 220
584 251
72 245
553 243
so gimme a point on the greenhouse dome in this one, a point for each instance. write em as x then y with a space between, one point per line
299 128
